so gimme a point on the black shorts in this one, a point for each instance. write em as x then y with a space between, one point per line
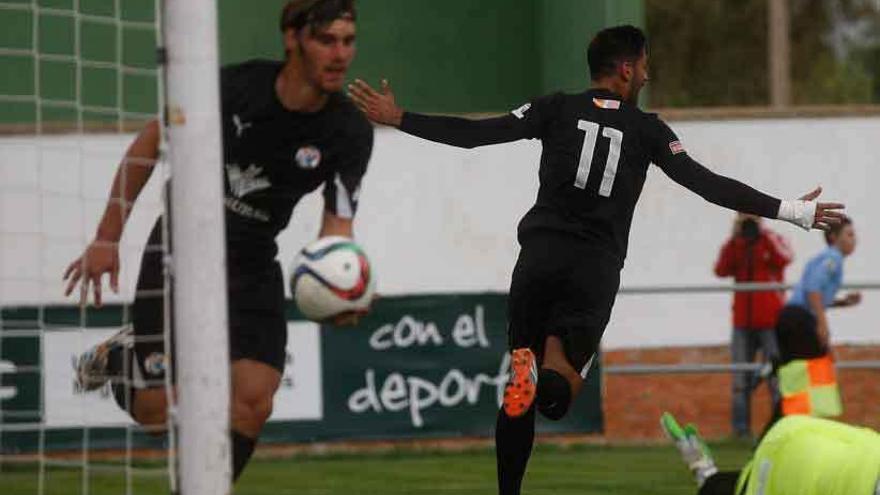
561 286
257 325
796 335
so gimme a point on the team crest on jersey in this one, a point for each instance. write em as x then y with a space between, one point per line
308 157
243 182
154 364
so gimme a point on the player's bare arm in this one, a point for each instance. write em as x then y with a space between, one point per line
332 224
815 301
850 299
102 254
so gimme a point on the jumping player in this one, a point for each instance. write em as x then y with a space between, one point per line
800 455
287 129
597 146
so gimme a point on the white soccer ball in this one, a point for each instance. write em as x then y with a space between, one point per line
331 276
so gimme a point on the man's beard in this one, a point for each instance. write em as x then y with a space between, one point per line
313 74
633 98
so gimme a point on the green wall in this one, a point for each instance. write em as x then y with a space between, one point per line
440 56
456 55
451 56
567 27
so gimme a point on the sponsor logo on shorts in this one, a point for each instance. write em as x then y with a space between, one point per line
308 157
154 364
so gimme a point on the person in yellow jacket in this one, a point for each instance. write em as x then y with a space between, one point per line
799 455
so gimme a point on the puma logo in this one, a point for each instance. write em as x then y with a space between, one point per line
239 125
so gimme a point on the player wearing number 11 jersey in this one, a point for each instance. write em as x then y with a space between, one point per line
597 146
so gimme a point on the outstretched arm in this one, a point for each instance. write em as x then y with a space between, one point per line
850 299
669 155
102 254
381 108
730 193
721 190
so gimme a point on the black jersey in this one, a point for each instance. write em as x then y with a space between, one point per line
596 152
273 157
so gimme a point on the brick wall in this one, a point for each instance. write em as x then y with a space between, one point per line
633 403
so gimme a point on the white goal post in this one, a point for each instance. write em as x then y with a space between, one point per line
192 116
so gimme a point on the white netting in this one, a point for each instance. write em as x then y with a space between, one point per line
80 77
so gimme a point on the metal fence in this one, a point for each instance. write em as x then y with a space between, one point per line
702 368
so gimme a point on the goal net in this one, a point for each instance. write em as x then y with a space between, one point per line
81 78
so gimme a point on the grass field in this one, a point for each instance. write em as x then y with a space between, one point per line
580 470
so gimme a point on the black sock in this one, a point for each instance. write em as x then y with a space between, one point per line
242 449
720 483
513 446
120 360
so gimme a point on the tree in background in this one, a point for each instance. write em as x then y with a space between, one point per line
714 52
707 53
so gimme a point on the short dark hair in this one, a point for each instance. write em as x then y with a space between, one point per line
297 14
612 46
835 229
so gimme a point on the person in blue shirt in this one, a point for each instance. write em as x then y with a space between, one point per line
802 327
803 324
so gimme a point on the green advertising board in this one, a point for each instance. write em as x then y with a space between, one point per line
416 367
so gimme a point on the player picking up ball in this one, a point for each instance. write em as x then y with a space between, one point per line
331 279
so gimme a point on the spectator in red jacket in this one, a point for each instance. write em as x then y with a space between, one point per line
753 254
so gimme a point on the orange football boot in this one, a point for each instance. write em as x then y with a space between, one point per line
519 393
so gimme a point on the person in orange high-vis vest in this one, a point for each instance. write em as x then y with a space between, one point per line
807 379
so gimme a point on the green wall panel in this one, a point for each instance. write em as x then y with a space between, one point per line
567 26
452 56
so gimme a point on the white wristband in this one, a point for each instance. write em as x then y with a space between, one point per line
799 212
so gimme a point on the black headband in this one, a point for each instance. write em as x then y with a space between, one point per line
303 12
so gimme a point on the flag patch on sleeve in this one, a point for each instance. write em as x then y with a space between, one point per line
676 147
606 104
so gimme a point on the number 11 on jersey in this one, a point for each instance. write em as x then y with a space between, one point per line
591 130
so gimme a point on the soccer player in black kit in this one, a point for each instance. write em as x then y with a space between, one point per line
597 146
287 130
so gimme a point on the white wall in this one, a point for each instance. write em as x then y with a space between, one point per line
438 219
